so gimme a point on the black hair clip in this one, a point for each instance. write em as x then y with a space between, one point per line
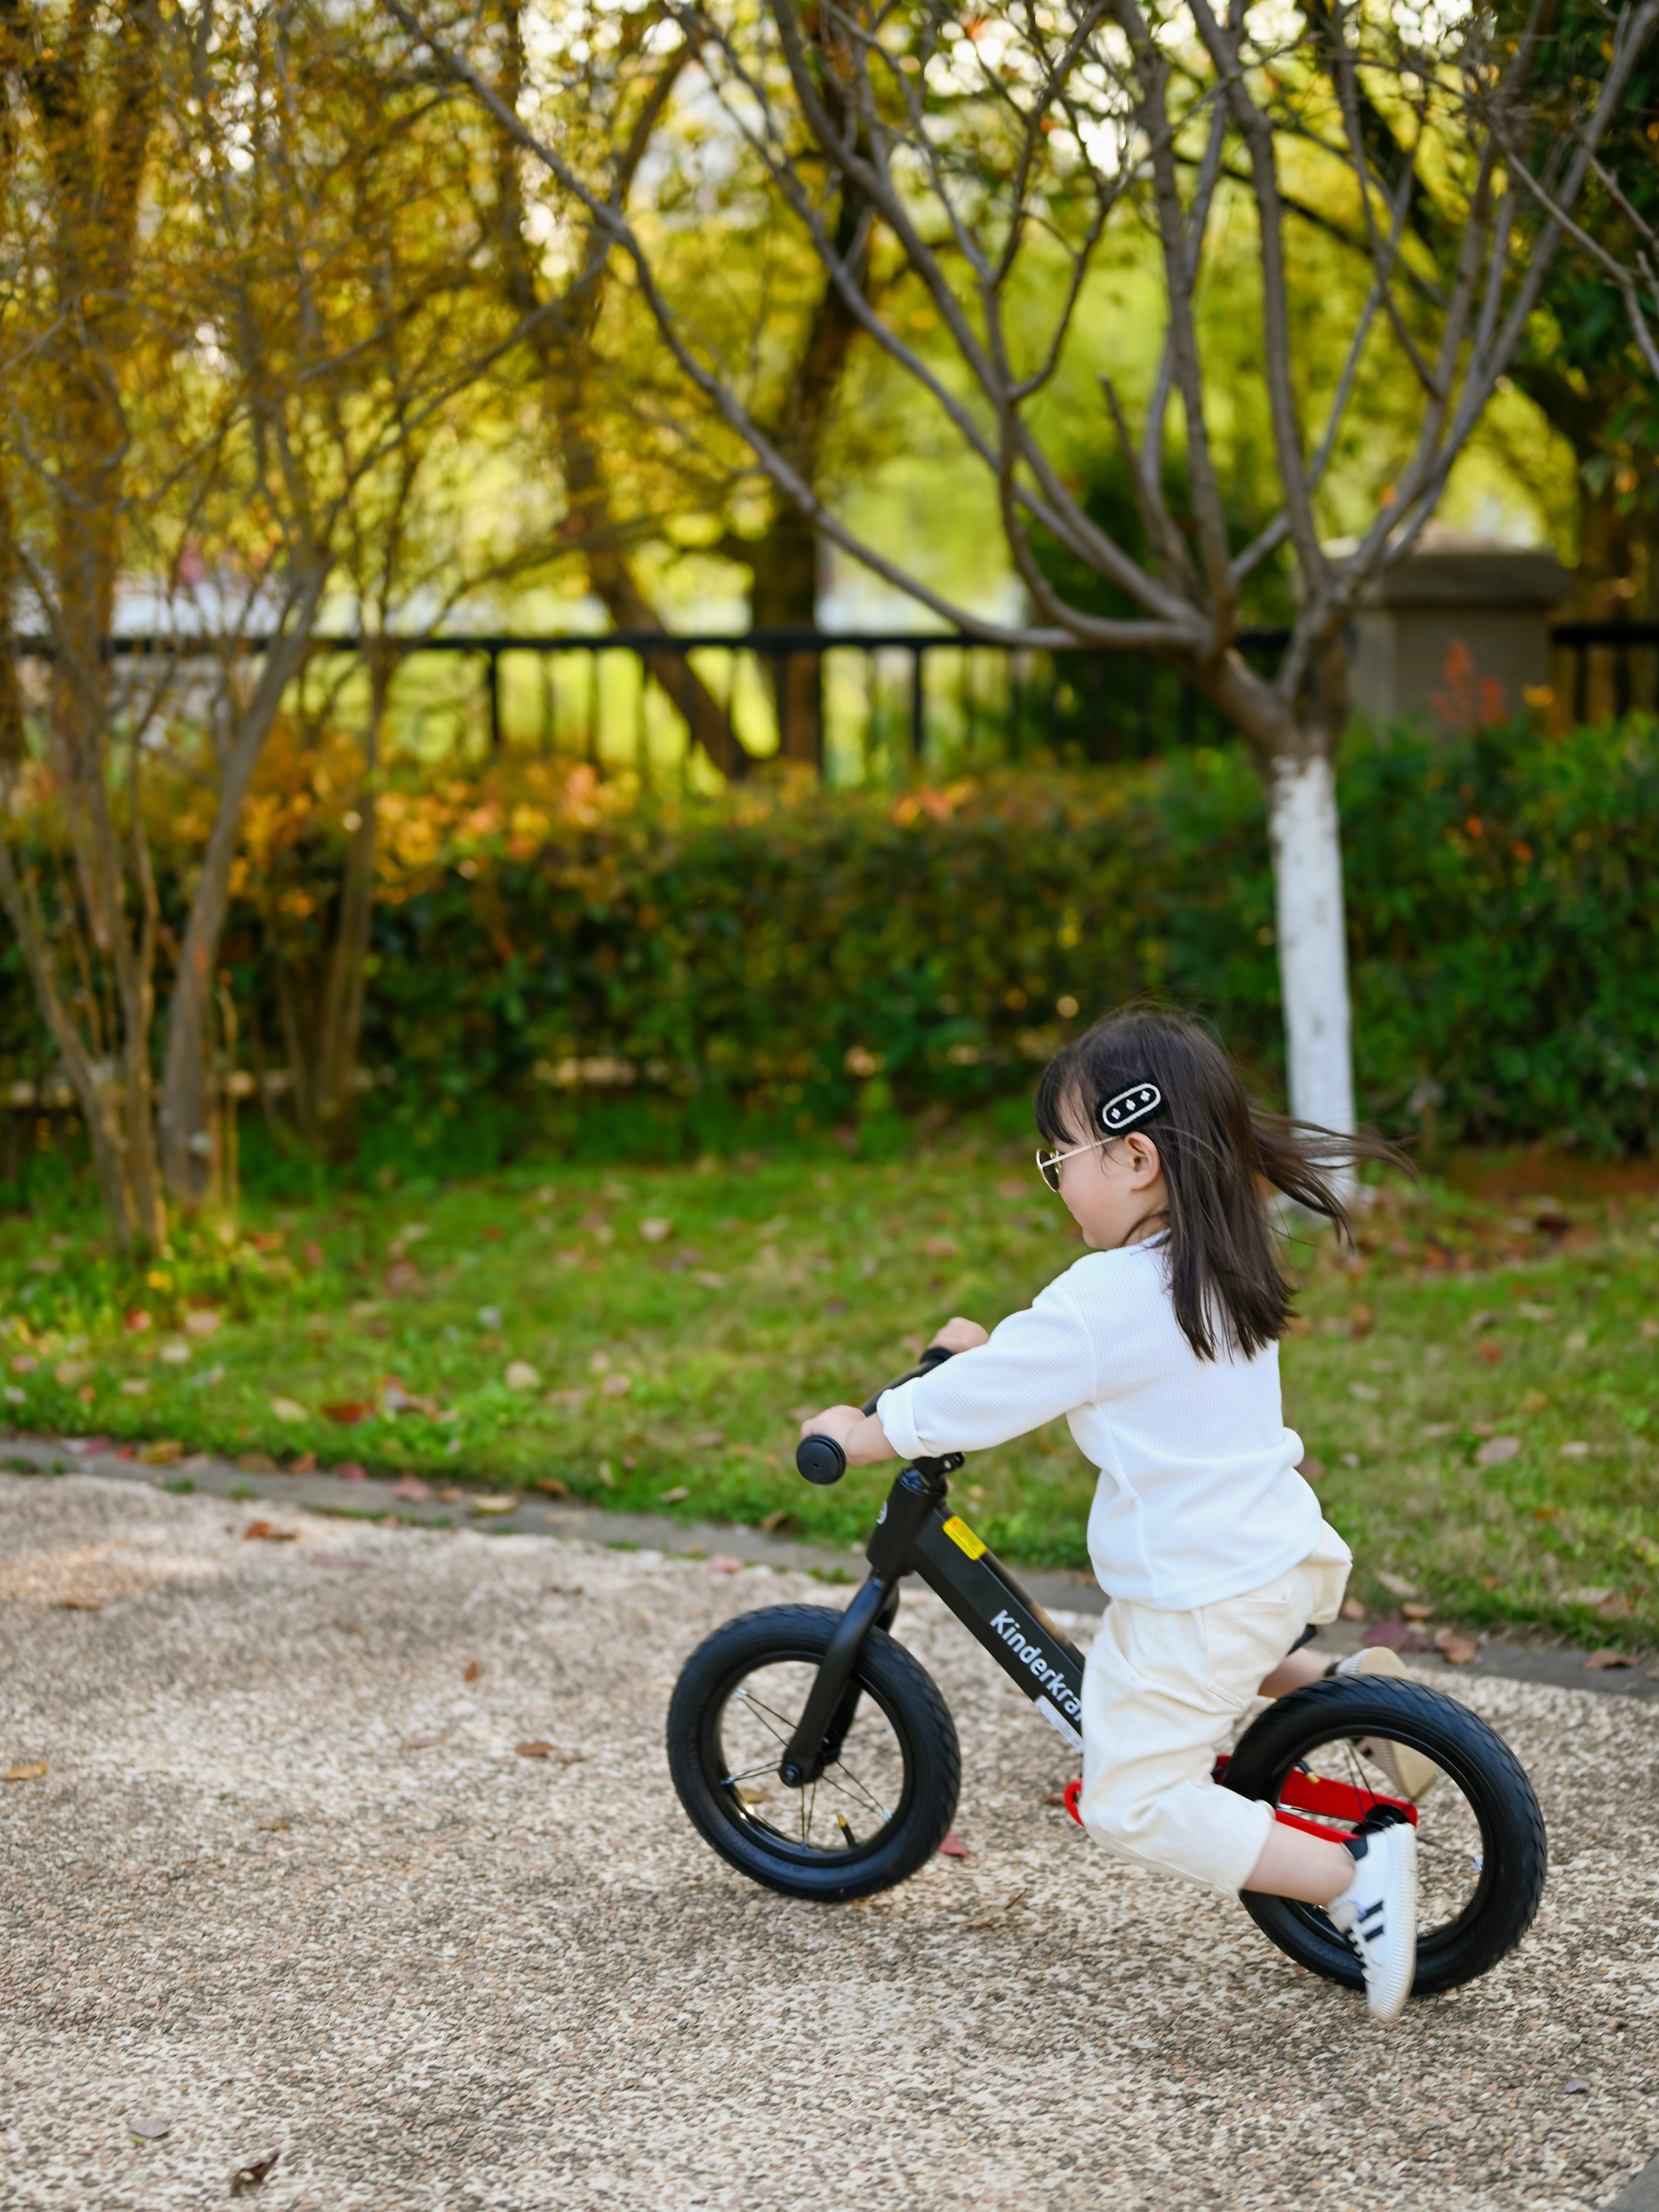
1136 1104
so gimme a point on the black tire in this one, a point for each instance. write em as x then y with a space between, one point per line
1505 1876
900 1706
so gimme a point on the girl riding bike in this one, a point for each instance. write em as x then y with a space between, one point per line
1161 1348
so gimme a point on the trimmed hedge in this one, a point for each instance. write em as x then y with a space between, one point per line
808 958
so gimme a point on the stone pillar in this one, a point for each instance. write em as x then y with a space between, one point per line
1457 632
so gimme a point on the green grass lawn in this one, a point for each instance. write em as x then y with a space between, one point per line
1479 1382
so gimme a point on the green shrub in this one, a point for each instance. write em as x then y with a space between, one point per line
788 959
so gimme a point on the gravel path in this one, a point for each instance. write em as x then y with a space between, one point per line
287 1885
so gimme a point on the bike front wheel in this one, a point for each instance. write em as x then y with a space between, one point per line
1481 1853
885 1799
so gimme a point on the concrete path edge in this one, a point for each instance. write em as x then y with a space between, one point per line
374 1498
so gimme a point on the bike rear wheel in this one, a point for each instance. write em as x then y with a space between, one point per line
1481 1847
886 1797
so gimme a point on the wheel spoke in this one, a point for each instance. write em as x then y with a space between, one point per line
865 1797
747 1773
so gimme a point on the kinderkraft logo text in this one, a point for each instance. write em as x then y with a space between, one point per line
1050 1676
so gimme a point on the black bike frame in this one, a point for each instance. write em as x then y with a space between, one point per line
915 1535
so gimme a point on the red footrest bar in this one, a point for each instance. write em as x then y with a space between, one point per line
1308 1793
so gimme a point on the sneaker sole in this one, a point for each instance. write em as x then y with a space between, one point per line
1385 1998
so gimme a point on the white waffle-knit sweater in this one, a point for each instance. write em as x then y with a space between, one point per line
1199 1497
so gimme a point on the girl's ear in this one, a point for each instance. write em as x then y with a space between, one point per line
1144 1166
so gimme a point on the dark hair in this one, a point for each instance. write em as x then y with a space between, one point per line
1215 1149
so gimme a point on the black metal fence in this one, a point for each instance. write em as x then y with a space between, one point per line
1627 652
883 701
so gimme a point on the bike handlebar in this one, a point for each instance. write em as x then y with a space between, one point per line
822 1460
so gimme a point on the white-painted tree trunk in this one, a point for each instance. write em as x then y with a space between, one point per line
1313 952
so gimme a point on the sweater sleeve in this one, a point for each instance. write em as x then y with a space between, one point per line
1035 1365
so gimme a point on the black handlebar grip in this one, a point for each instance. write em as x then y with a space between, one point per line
820 1460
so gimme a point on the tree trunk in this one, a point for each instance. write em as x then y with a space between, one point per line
785 592
1313 957
342 1000
186 1138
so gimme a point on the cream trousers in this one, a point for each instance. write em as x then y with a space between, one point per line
1162 1692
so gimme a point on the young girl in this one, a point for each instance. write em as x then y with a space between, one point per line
1160 1348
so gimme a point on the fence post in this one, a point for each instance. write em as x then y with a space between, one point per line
493 662
918 702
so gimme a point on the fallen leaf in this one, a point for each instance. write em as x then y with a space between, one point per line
148 2131
942 1248
137 1320
403 1280
1361 1321
412 1489
451 1496
354 1471
953 1847
133 1386
492 1232
616 1386
470 1673
673 1496
266 1531
202 1321
425 1742
175 1354
1498 1450
1598 1661
706 1439
1418 1612
166 1451
491 1505
539 1749
22 1363
250 2177
81 1604
655 1230
771 1523
1534 1402
256 1463
722 1563
1489 1350
1311 1469
1352 1609
1456 1651
1615 1607
306 1464
1597 1594
1577 2090
1396 1585
550 1487
29 1771
288 1409
1576 1449
315 1255
522 1376
71 1370
1394 1636
46 1265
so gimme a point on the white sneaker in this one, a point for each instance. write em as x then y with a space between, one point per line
1377 1913
1412 1775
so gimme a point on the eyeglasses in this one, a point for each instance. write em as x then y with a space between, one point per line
1049 1162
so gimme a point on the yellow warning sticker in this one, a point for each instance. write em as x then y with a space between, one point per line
963 1537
